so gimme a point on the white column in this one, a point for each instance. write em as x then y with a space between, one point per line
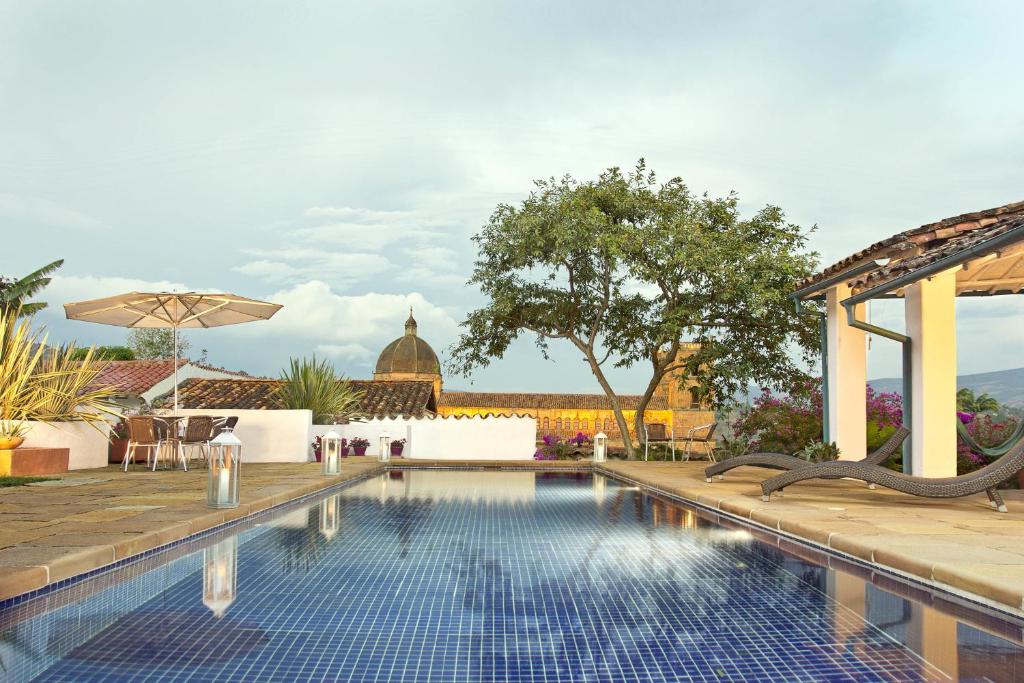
931 326
847 378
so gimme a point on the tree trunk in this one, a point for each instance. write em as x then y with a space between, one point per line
641 408
620 417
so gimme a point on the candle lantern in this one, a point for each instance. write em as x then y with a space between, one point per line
600 447
330 453
385 447
222 478
330 516
220 575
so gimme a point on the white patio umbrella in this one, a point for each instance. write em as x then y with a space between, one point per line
171 310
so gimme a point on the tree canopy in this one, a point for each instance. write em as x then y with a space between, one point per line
155 343
627 271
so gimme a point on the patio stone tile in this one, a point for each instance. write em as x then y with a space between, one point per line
15 580
1002 583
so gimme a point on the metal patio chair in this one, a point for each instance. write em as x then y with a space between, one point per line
199 431
702 434
142 433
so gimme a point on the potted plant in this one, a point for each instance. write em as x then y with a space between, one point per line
397 446
12 434
317 448
345 448
118 441
359 445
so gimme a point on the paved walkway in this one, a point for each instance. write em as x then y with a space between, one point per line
963 543
92 518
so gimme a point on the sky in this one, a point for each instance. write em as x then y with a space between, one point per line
336 158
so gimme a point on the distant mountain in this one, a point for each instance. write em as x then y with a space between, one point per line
1005 386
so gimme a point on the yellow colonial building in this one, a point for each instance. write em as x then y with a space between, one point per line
674 405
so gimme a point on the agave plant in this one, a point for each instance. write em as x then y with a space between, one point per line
21 349
48 385
68 388
308 384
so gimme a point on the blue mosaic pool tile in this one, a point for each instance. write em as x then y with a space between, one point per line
448 576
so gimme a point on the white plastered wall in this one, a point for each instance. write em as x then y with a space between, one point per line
87 445
267 435
448 438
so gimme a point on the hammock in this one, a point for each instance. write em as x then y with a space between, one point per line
993 451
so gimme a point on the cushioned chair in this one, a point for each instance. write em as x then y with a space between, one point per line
781 461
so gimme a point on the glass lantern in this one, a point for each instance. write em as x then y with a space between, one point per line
330 453
220 575
330 516
385 447
222 478
600 447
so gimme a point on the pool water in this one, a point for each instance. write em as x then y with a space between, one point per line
498 576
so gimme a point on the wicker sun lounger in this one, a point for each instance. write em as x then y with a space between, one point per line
986 479
780 461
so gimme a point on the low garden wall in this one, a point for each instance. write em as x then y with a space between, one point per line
268 435
87 445
448 438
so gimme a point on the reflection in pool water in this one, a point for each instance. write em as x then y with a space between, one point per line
500 576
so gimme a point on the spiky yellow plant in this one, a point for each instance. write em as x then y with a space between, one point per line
20 351
68 388
46 385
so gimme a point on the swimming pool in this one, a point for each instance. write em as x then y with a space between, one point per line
497 576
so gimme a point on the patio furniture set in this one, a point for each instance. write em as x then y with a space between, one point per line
173 438
873 471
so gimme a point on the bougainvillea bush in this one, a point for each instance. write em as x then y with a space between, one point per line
988 431
787 424
554 448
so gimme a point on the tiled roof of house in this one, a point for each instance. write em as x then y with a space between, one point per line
524 401
379 398
135 377
913 249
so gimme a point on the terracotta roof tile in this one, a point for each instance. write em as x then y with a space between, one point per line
525 401
919 246
135 377
379 398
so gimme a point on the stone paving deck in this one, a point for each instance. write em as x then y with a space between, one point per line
96 517
962 544
92 518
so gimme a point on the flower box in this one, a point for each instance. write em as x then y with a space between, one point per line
27 461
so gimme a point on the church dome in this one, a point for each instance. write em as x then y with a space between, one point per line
408 354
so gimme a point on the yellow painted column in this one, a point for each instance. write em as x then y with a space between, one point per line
931 325
847 378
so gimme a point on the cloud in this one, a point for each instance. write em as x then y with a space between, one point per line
301 264
371 229
345 351
68 288
17 209
340 323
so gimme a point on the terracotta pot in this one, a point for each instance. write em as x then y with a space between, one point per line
397 448
118 449
10 442
360 450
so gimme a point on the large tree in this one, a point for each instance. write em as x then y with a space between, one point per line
627 270
155 343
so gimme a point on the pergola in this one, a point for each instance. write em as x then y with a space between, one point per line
974 254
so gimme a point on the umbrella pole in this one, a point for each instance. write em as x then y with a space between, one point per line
175 328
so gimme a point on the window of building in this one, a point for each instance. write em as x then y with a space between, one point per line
547 423
694 398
